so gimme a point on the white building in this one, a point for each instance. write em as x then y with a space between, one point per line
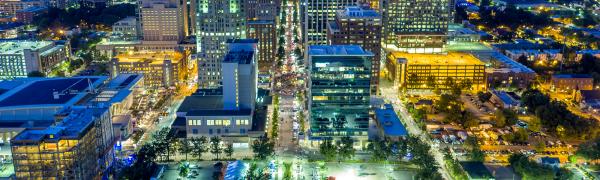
127 27
18 58
239 87
161 20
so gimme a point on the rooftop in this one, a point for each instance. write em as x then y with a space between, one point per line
357 12
150 57
550 160
73 126
511 64
34 9
389 121
506 98
196 102
42 91
241 57
339 50
17 47
571 76
452 58
590 94
219 112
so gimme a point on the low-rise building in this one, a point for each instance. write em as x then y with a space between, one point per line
588 99
507 100
476 171
388 123
126 29
572 82
160 69
507 72
19 58
115 46
11 30
546 55
10 7
458 33
26 15
579 54
432 71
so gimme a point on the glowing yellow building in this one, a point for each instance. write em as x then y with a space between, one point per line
431 71
160 69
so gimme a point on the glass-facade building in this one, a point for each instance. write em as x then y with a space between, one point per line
339 87
416 26
316 14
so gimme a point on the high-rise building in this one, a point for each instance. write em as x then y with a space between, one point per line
239 74
359 25
78 146
262 9
339 91
316 15
162 20
217 22
265 32
19 58
415 26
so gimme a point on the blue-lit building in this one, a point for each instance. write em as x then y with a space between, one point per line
340 76
388 124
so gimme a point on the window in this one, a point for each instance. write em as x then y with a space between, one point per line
218 131
210 131
194 122
210 122
226 130
194 131
242 131
241 122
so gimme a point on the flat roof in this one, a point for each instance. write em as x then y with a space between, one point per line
17 47
41 91
196 102
512 64
505 97
466 46
151 57
220 112
357 12
389 121
571 76
241 57
451 58
341 50
73 126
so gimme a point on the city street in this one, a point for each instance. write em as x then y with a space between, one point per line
391 94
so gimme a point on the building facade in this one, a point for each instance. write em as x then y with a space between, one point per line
26 15
127 27
78 146
217 22
316 15
160 69
10 7
339 91
416 72
415 26
266 10
265 32
19 58
161 20
359 26
572 82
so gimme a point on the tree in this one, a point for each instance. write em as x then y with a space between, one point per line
529 169
184 147
345 148
590 150
262 147
540 146
184 170
287 171
229 150
215 146
534 124
379 149
328 150
200 146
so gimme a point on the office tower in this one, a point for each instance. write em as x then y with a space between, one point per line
229 111
356 25
217 22
316 15
339 91
160 69
239 74
262 9
415 26
78 146
265 32
19 58
162 20
190 7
